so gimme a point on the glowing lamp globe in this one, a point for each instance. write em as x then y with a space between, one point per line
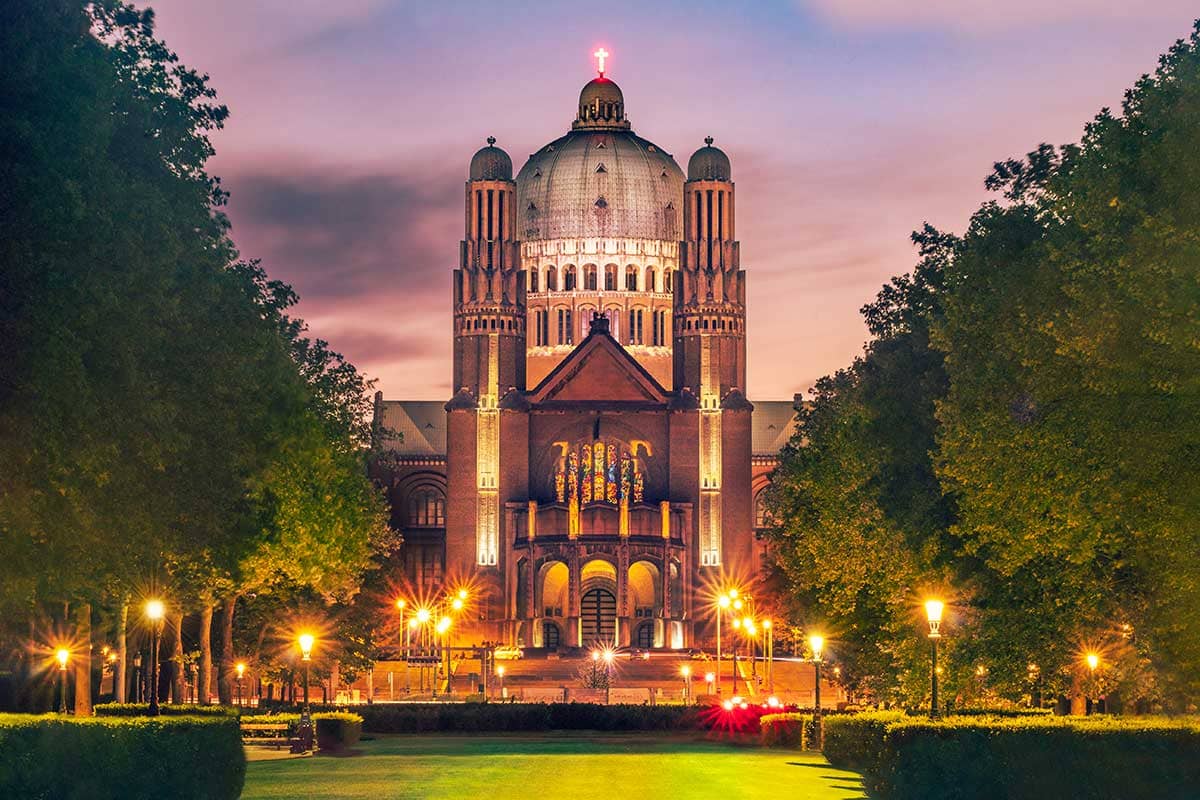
155 610
241 669
816 643
306 641
62 655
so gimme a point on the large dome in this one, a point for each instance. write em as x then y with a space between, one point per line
601 180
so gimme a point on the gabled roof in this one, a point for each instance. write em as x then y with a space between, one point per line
420 423
773 423
599 370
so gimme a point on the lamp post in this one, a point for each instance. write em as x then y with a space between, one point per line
737 623
816 643
306 641
933 614
154 612
608 661
1093 661
710 679
595 666
751 631
500 676
686 671
443 627
724 601
139 676
400 605
769 647
63 655
241 670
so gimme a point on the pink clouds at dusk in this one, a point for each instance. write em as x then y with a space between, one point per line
849 123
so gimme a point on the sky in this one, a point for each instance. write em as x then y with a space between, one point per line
849 124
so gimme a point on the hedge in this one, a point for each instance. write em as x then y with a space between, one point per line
335 730
493 717
99 758
785 730
855 741
1030 759
143 709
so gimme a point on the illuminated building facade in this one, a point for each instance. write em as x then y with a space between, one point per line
599 467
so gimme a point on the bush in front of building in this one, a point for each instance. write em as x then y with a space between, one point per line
179 710
785 730
499 717
99 758
337 730
1030 758
855 741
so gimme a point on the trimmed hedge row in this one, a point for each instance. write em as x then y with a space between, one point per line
199 758
336 730
143 709
1021 758
785 730
492 717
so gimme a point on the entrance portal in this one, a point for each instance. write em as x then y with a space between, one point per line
598 619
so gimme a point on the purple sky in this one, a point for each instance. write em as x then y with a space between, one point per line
848 122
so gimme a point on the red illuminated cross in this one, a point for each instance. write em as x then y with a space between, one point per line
601 54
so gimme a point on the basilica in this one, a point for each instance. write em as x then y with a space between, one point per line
598 471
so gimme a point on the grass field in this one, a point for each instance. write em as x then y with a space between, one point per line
549 767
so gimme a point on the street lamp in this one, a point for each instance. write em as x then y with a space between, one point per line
816 643
306 641
608 661
63 656
710 679
686 671
500 675
1093 661
724 601
933 613
241 670
443 626
155 611
769 653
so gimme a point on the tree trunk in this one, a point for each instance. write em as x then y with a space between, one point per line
178 693
120 679
83 660
204 684
225 668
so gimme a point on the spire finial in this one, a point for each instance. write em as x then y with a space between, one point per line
600 55
708 140
491 140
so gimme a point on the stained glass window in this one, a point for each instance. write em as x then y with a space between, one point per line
599 472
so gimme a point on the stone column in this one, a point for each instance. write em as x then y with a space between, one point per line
573 597
624 612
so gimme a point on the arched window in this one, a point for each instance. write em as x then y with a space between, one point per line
599 472
533 280
569 279
631 276
668 281
635 326
762 515
651 280
589 277
551 279
427 508
610 277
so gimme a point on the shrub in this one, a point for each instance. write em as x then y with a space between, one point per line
855 741
785 730
337 730
492 717
100 758
1032 758
143 709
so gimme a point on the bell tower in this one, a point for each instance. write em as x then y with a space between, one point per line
489 362
710 358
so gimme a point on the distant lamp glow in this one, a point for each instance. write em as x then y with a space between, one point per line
709 677
933 613
737 604
685 670
400 604
423 615
155 610
724 601
773 702
462 594
241 669
595 655
816 643
500 670
728 705
413 623
766 623
733 592
456 604
1093 661
609 655
63 655
443 625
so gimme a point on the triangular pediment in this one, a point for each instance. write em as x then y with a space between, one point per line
599 370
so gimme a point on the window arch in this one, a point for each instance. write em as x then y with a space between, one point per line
610 277
599 471
533 280
631 278
589 277
569 278
551 279
651 280
668 281
426 508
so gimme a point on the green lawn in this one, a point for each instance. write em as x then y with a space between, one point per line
580 767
